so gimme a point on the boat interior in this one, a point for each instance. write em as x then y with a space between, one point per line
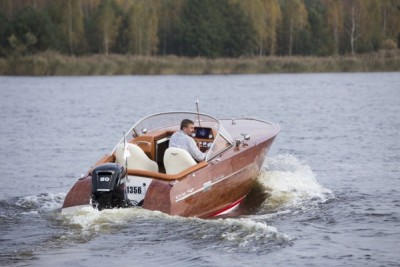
151 156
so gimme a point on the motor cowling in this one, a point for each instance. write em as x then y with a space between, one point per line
108 186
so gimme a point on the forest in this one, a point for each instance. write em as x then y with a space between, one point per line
209 29
205 28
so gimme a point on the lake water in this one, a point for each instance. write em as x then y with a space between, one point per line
332 175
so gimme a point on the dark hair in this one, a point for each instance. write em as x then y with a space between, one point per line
185 123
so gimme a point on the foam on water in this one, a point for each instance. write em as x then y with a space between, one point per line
92 220
42 202
250 233
291 182
230 233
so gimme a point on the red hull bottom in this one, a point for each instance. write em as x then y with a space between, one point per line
228 208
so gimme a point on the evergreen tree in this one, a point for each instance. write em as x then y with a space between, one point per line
68 17
240 39
213 29
3 36
33 29
168 22
317 40
200 32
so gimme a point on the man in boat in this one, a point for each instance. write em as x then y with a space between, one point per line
182 139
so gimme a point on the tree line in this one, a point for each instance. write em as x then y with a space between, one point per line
199 28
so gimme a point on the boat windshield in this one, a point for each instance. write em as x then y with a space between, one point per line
172 121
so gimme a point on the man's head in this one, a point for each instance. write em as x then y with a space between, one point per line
187 126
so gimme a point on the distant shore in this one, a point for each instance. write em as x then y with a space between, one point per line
55 64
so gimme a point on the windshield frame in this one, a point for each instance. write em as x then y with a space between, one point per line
170 119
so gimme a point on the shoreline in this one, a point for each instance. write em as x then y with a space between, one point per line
52 63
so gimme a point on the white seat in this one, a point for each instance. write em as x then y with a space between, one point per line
138 159
177 160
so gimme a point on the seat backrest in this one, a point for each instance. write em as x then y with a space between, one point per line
177 160
138 159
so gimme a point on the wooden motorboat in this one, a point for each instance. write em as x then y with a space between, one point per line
142 171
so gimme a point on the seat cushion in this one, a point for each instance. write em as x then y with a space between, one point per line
138 159
177 159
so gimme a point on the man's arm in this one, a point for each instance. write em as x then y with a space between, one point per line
195 151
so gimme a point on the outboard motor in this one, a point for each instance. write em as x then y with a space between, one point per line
108 186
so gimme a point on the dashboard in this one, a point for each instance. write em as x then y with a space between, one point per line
204 137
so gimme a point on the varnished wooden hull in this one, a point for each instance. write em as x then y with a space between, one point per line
210 190
205 192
